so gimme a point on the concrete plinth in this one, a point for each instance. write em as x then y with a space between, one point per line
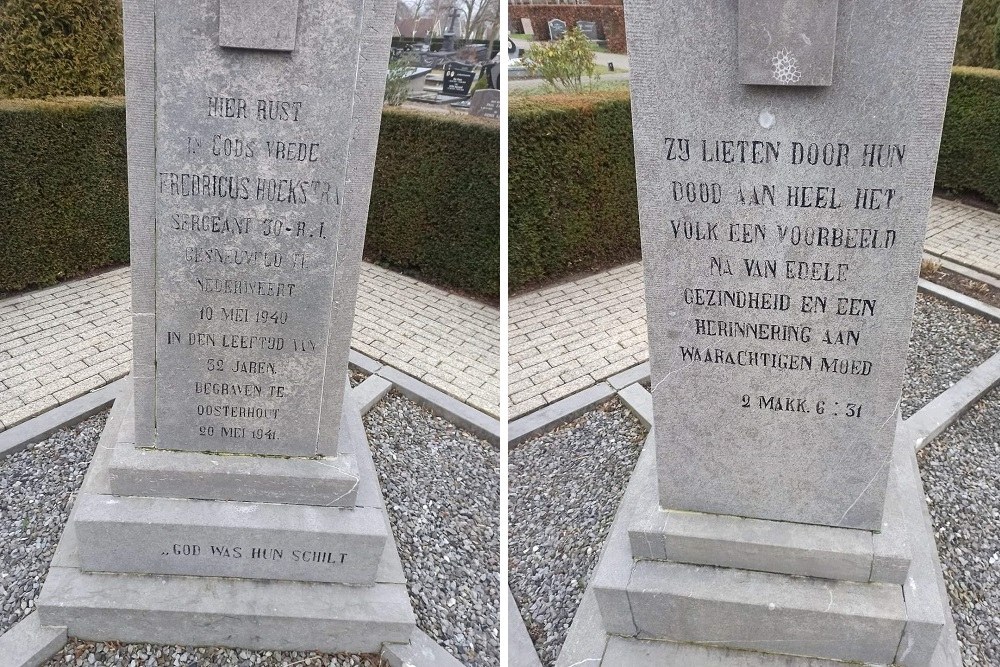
222 606
141 471
644 607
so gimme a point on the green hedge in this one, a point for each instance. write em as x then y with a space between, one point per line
64 195
977 34
54 48
572 195
63 189
435 206
970 146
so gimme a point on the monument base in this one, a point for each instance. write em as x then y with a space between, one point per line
265 613
643 611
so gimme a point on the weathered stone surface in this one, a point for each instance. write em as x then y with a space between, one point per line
622 651
822 616
768 546
29 643
209 538
781 231
263 159
258 24
322 481
788 43
835 620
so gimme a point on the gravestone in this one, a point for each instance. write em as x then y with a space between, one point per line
458 80
588 28
785 160
236 471
485 103
557 28
526 27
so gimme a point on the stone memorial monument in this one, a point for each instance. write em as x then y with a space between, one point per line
233 500
785 154
557 28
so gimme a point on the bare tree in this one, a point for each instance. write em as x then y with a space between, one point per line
481 16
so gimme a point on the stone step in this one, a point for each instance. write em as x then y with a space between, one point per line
211 538
770 546
141 471
770 613
212 611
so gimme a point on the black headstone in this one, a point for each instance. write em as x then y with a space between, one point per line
458 80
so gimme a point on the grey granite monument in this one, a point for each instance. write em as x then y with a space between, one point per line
785 155
233 500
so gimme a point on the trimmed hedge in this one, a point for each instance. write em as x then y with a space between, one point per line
64 194
572 196
970 146
977 34
63 189
55 48
435 206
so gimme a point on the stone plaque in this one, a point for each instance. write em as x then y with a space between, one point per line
267 25
787 42
250 190
782 232
485 103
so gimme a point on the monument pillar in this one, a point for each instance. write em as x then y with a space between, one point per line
785 160
233 500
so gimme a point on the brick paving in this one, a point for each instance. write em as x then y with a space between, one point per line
964 235
59 343
567 337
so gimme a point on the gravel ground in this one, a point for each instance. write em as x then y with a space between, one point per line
565 487
356 377
85 654
946 344
35 488
960 470
442 488
421 459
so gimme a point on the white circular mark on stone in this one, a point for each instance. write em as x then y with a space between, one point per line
672 313
772 606
766 119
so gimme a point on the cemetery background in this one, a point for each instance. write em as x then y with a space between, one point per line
578 344
433 216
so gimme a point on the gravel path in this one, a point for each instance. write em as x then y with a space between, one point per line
960 471
35 488
946 344
442 488
565 487
85 654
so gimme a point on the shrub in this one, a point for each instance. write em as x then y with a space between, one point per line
572 195
564 63
61 47
976 34
396 85
970 145
435 207
65 191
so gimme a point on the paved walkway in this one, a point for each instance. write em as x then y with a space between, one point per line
964 235
567 337
61 342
